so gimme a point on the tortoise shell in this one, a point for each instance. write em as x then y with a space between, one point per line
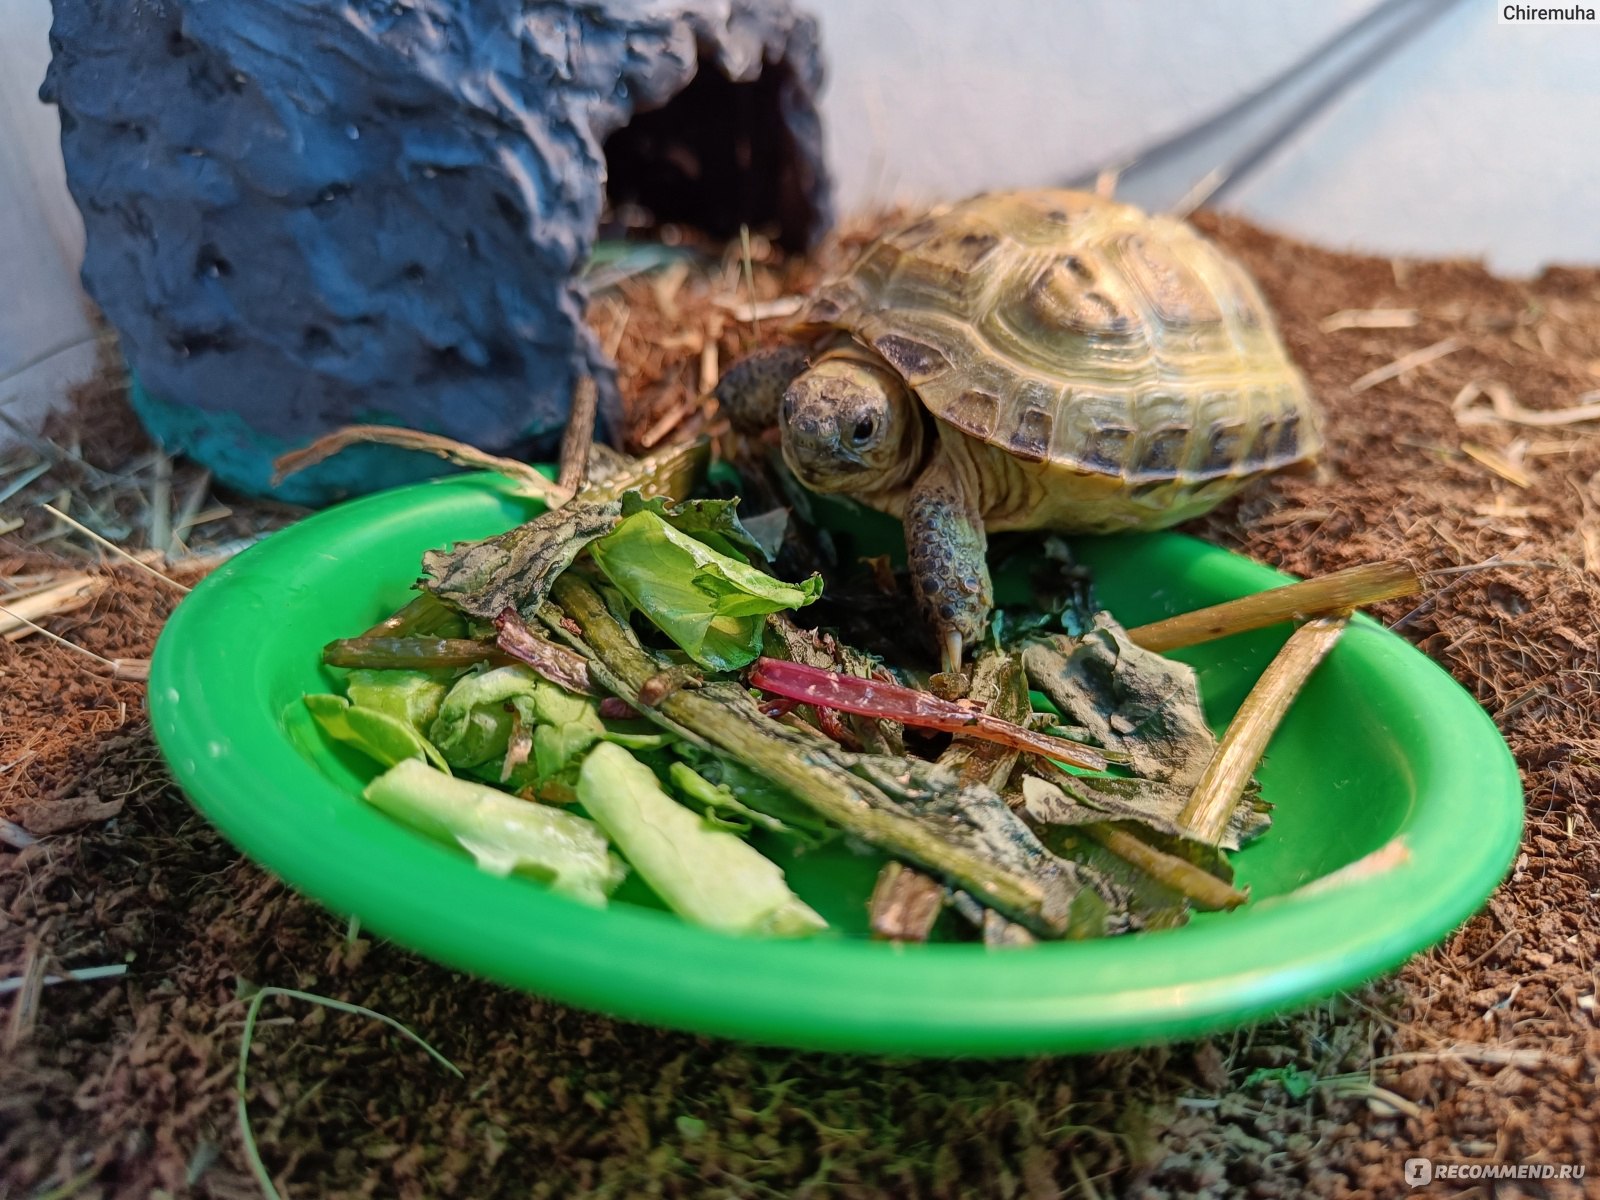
1081 334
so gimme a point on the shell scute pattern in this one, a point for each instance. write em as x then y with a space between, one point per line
1071 330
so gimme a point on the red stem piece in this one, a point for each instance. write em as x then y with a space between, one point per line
892 702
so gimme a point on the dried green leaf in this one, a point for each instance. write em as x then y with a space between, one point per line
1153 803
515 569
1127 699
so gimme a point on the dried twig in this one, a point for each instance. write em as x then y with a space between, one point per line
765 310
1218 791
528 479
1179 874
666 423
55 637
1498 463
131 669
1326 595
1369 318
1504 407
28 986
70 594
113 547
579 437
1407 362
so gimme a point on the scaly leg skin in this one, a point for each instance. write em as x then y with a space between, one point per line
948 553
751 390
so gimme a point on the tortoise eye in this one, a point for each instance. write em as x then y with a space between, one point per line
865 428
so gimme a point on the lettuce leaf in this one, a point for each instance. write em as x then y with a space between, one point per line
503 834
710 604
705 875
375 733
714 522
474 722
410 696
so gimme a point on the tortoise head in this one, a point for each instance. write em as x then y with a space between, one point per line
851 425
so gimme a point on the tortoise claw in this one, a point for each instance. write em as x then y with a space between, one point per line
951 652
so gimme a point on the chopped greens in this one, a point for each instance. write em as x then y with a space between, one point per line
503 834
410 696
707 875
588 658
474 721
377 734
710 604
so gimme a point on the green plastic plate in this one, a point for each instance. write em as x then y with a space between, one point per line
1382 743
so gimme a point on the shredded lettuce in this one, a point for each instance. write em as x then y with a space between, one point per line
375 733
705 875
503 834
712 605
474 722
410 696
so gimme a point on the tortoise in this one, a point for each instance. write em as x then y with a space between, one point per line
1028 360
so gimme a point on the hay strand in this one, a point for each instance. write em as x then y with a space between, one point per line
1338 592
1218 791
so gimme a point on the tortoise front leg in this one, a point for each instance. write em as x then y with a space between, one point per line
948 554
751 390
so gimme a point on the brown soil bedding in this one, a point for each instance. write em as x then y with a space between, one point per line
1485 1049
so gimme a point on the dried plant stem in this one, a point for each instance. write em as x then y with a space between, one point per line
1407 362
70 594
1505 408
1370 318
113 547
463 455
579 436
1219 788
407 653
55 637
1201 887
423 615
1326 595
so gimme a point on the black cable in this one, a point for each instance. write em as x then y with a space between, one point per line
1241 167
1422 12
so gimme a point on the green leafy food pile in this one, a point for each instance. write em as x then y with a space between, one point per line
618 686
